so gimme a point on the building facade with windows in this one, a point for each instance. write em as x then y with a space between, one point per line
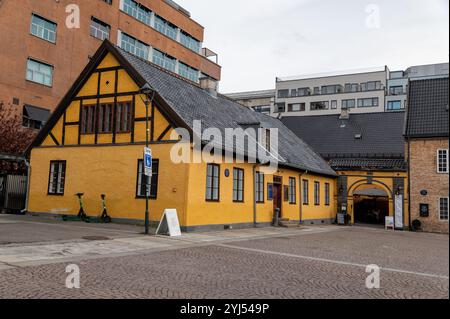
94 141
324 94
40 56
427 137
362 91
368 153
259 101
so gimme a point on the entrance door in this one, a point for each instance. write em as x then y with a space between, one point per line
277 198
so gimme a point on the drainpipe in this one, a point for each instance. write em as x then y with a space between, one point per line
300 200
27 196
254 196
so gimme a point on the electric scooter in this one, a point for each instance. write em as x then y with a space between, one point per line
104 217
81 214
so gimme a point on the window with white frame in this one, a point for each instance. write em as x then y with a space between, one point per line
187 72
142 180
189 42
43 28
259 187
165 27
443 208
292 190
442 161
164 60
238 185
99 29
137 11
316 193
327 194
305 192
213 182
39 72
57 178
371 102
134 46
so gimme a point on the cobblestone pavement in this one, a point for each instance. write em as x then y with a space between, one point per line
316 265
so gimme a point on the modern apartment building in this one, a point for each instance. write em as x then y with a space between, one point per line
361 91
259 101
397 84
40 55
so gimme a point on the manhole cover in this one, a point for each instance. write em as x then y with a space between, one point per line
95 238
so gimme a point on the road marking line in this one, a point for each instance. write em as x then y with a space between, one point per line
332 261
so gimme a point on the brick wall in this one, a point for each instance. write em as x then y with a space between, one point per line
424 176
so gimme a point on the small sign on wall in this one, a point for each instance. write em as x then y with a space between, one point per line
424 210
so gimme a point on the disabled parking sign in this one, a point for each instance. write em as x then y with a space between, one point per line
148 162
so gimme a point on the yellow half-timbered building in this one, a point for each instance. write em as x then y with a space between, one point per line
93 144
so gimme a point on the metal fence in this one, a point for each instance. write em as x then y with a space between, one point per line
13 193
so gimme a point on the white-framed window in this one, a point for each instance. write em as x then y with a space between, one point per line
189 42
164 60
57 178
292 190
43 28
165 27
442 161
443 208
238 185
39 72
259 187
134 46
137 11
99 29
187 72
316 193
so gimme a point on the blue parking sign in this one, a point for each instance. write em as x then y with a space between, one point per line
148 161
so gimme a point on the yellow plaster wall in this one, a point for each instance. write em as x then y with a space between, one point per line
379 179
110 170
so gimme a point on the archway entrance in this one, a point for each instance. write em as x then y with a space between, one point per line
371 205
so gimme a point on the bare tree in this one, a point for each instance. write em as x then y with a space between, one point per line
14 138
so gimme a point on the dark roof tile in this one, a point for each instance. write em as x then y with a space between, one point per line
191 103
428 108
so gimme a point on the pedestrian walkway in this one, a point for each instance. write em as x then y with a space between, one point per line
19 255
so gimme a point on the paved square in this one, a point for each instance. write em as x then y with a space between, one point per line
309 262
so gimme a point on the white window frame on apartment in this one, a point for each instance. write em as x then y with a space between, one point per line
96 30
41 30
133 48
439 163
31 73
440 211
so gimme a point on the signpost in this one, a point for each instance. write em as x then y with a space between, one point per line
148 162
148 174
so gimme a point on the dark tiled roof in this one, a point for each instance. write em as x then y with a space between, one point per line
428 108
381 134
190 102
368 164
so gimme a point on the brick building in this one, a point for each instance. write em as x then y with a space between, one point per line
40 56
427 133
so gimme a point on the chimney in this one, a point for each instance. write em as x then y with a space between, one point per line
209 85
345 114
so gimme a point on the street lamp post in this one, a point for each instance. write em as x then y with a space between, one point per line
147 178
146 89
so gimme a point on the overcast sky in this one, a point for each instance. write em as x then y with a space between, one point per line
258 40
